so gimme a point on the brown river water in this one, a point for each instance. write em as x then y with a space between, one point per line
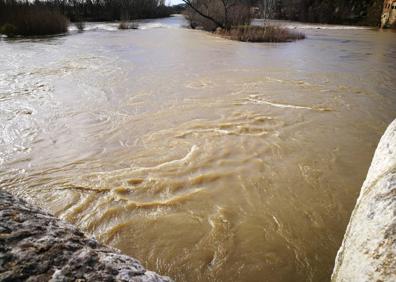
206 159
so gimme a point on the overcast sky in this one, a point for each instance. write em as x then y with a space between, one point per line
174 2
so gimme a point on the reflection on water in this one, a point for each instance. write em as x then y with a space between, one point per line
207 159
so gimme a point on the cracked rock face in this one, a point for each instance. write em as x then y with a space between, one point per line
36 246
368 252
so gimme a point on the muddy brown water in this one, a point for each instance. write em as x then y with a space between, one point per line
206 159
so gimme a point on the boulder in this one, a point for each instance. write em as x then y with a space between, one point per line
36 246
368 251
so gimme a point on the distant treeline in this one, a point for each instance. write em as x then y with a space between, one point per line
364 12
324 11
44 17
91 10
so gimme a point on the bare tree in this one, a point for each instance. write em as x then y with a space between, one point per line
197 8
220 13
227 5
267 8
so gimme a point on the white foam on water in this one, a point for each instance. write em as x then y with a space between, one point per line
96 27
298 25
256 100
154 25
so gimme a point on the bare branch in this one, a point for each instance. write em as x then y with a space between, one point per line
196 9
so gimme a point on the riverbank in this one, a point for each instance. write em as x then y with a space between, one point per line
49 18
36 246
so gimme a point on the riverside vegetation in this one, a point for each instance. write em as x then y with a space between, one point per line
53 17
248 33
232 19
28 20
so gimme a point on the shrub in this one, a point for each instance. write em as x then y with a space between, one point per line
128 25
267 33
30 21
123 25
80 25
8 29
87 10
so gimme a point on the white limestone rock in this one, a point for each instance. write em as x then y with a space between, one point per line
368 252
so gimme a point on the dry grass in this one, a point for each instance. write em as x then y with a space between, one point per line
267 33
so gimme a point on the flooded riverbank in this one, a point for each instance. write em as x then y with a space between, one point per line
207 159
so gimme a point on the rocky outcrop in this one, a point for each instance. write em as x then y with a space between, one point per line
368 252
36 246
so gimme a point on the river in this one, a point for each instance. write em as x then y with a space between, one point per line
204 158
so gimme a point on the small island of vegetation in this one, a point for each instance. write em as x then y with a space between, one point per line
232 19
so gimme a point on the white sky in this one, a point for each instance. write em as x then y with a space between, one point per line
174 2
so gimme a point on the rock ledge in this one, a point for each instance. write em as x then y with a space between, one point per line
36 246
368 252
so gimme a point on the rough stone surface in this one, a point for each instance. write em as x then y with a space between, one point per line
368 252
36 246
